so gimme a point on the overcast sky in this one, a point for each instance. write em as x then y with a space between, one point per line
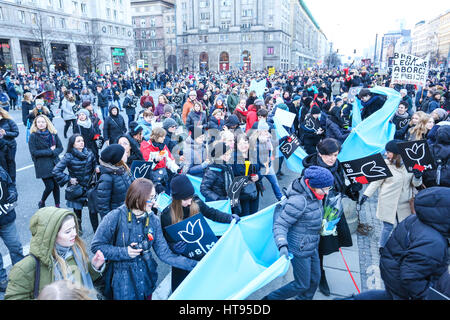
353 24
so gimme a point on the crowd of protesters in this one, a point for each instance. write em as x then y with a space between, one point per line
213 126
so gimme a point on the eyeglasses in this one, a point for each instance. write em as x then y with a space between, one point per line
327 189
152 199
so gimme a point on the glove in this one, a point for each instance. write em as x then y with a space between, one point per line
159 188
363 199
236 217
417 173
284 252
356 187
178 247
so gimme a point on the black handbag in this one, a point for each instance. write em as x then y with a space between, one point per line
74 191
249 192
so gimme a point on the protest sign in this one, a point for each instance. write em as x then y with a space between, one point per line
409 69
416 155
271 71
286 118
367 169
235 189
196 232
258 87
289 146
353 92
141 169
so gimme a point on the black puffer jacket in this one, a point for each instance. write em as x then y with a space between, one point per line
415 256
114 126
11 132
43 157
112 187
441 155
7 218
81 165
216 181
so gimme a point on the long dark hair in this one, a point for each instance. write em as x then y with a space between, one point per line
71 142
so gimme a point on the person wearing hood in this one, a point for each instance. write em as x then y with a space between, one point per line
56 244
415 257
185 204
135 137
312 130
38 110
394 193
81 164
130 106
252 116
335 125
440 176
114 125
115 179
171 139
296 226
126 236
326 157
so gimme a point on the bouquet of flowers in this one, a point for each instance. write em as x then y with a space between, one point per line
333 212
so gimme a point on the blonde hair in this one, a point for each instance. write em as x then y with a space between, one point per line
28 96
5 114
50 126
166 101
157 133
64 290
176 210
146 92
419 131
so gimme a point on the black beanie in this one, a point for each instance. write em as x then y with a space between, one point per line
316 110
392 146
112 154
135 128
181 187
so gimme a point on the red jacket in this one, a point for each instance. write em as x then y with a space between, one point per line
145 99
149 151
252 117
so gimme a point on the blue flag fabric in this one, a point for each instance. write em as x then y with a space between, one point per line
258 87
246 258
196 182
371 135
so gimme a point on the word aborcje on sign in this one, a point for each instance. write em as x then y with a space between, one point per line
409 69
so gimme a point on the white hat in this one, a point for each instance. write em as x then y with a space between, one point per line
39 102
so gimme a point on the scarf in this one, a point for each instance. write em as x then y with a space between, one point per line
86 123
65 253
158 145
46 136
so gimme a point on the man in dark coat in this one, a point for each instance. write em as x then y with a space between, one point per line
371 102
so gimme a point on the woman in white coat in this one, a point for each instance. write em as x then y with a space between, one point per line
394 193
68 111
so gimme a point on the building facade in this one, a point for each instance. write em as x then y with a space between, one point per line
154 29
223 35
77 36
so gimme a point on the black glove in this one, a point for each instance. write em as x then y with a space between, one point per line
284 252
417 173
363 199
236 217
159 188
178 247
356 187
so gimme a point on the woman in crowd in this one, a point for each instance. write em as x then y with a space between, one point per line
416 129
68 110
196 118
195 153
216 121
126 236
146 122
61 253
8 145
130 106
395 194
81 165
115 179
87 130
401 119
38 110
114 125
335 124
147 102
159 110
185 204
45 147
241 111
312 130
27 106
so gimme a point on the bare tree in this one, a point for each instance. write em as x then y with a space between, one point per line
44 35
97 55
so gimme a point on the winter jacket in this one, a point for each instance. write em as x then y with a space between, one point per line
113 127
150 151
434 104
196 119
241 114
128 104
195 156
374 104
146 99
310 137
394 194
159 110
26 108
11 132
43 157
252 117
400 120
67 110
216 182
336 88
103 100
135 151
298 220
232 102
10 216
216 124
441 155
134 278
415 256
146 128
112 187
187 107
44 227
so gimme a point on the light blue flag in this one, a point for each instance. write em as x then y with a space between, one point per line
246 258
294 163
371 135
163 201
222 205
258 87
196 182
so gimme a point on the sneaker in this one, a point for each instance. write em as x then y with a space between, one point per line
3 285
41 204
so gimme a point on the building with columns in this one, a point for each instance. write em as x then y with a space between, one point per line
242 34
82 35
155 34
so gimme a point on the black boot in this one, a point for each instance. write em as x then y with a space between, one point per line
323 285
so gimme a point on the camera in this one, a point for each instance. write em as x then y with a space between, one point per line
145 246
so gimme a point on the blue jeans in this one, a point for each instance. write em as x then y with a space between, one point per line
306 280
275 186
105 111
372 295
11 239
130 119
385 233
